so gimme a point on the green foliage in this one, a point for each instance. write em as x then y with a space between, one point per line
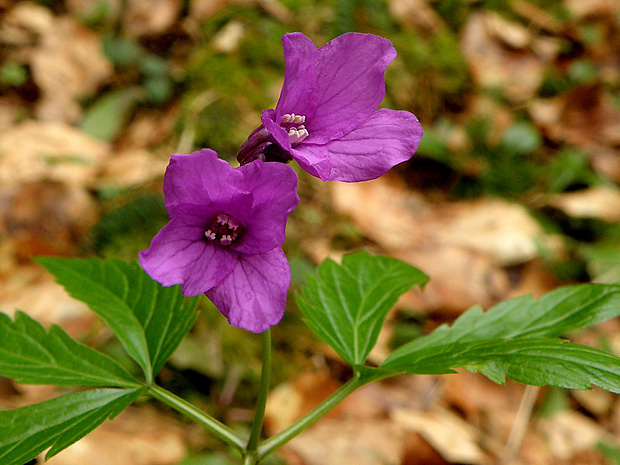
31 355
346 304
13 74
108 116
148 319
518 339
129 228
57 423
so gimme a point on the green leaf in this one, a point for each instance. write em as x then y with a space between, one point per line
560 311
518 339
31 355
108 116
535 361
346 304
148 319
57 423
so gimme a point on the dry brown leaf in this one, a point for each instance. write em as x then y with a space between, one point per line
538 16
493 65
136 437
601 202
348 441
579 9
416 14
150 17
569 432
36 151
459 279
397 218
68 64
44 219
595 400
290 401
24 23
455 439
586 117
228 39
535 278
34 291
9 111
131 168
511 33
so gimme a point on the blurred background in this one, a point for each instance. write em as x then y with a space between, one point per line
514 190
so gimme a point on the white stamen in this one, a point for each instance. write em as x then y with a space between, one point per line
226 240
210 235
293 118
296 136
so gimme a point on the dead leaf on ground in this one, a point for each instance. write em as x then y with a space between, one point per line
455 439
494 65
579 9
24 23
44 218
34 291
9 111
150 17
131 168
35 151
599 202
569 433
68 64
397 218
416 14
459 279
136 437
350 442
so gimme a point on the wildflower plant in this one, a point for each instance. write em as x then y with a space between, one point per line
224 239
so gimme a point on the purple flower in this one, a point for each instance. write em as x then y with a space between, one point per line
224 235
327 118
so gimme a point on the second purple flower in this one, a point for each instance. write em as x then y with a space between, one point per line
327 119
225 234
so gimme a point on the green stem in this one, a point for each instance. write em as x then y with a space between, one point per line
218 429
263 391
277 441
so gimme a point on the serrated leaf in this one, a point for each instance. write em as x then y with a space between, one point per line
346 304
534 361
517 339
148 319
31 355
57 423
555 313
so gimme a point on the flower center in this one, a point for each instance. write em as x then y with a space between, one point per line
262 146
294 125
224 229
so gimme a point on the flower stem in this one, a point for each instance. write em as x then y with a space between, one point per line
217 428
277 441
263 391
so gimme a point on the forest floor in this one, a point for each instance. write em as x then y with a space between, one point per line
515 189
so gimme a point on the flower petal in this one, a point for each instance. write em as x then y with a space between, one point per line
200 178
389 137
314 159
274 190
253 295
351 84
179 254
300 83
268 118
